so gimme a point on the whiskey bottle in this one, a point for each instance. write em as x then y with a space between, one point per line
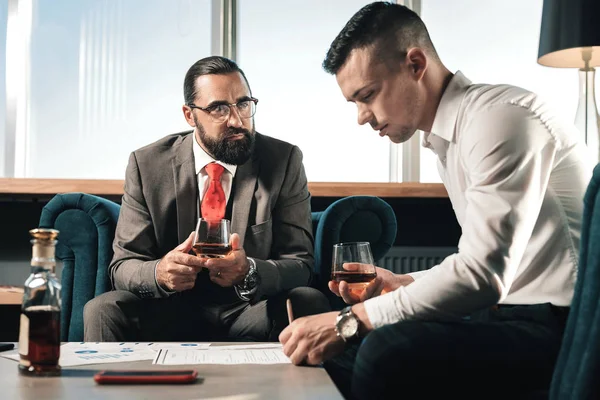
39 335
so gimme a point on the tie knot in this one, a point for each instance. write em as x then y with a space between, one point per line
214 171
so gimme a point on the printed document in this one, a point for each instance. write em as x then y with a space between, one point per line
227 357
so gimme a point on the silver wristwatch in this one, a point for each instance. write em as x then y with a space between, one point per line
248 287
347 325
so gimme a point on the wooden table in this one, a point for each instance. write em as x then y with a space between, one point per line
232 382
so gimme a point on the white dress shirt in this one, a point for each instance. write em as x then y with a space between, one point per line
516 177
201 160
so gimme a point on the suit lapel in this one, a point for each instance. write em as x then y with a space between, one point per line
186 188
245 187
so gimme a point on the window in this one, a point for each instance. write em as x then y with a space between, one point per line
107 78
104 77
299 102
3 23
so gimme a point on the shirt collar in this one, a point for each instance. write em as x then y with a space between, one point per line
447 111
202 158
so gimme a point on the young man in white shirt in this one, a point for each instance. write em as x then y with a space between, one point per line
492 315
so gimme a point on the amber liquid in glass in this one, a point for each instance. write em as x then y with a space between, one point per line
357 281
43 349
354 277
211 250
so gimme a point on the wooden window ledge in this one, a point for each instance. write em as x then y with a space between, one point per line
105 187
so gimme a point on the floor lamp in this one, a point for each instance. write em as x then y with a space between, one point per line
570 38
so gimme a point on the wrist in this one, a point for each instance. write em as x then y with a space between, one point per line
347 326
165 291
399 280
405 280
249 285
251 279
364 325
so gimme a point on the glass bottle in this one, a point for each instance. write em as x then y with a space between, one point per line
39 335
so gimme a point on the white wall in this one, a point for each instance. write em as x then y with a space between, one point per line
496 42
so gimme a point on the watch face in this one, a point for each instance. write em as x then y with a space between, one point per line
348 326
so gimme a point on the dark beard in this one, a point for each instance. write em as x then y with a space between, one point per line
234 152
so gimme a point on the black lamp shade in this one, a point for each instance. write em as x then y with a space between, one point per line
567 27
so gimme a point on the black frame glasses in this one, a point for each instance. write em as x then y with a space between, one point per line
210 110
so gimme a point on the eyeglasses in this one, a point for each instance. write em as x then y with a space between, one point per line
220 112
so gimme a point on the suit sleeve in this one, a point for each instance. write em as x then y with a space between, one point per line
292 259
135 250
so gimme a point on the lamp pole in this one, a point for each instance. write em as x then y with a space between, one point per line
586 118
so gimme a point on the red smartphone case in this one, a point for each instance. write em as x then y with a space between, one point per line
145 377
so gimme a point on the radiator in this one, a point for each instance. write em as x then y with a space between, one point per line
402 260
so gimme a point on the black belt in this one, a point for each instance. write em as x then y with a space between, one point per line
560 312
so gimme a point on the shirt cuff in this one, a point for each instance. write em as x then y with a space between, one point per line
382 310
163 292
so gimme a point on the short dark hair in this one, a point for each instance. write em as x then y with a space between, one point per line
389 28
213 65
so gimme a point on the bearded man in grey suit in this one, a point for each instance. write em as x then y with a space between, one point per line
164 293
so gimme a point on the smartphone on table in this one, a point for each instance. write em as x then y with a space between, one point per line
146 376
6 346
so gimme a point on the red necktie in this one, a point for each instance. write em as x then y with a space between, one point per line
214 203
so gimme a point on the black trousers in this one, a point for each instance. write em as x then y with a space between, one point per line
506 352
121 316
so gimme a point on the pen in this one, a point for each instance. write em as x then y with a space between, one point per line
288 304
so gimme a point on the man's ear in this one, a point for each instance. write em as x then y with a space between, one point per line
187 113
417 62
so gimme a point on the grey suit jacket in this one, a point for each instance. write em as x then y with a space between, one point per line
271 213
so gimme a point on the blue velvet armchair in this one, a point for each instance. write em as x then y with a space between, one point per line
578 365
87 226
